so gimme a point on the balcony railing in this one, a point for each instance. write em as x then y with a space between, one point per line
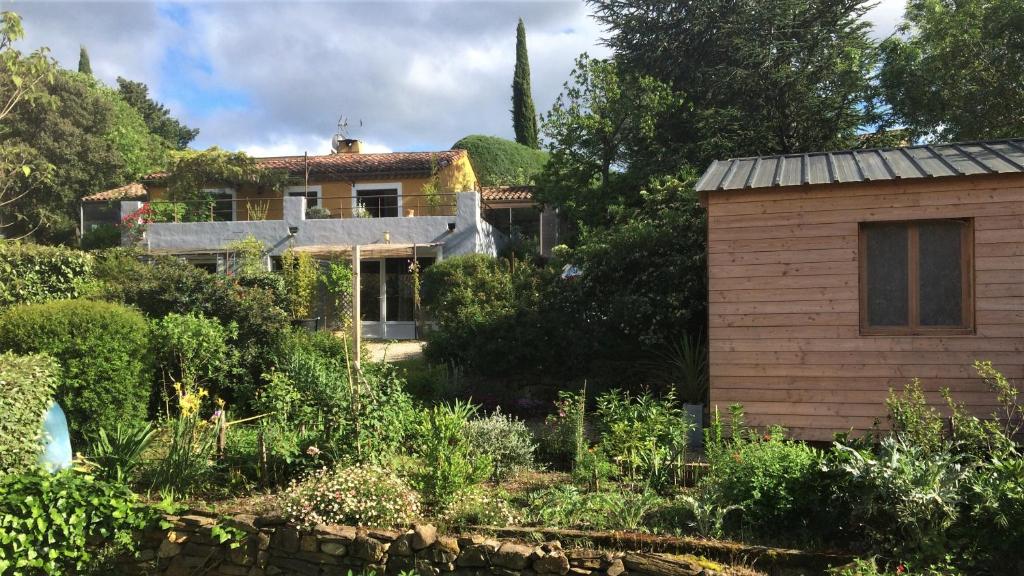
322 207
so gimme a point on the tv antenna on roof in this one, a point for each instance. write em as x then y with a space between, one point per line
342 133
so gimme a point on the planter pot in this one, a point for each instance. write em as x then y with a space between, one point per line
311 324
696 412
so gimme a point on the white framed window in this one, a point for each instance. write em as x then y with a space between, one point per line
223 209
378 199
313 194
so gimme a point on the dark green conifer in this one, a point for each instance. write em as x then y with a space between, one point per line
524 116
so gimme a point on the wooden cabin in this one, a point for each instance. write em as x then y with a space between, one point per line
835 277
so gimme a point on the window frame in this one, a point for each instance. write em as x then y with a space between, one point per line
304 192
365 186
914 327
213 192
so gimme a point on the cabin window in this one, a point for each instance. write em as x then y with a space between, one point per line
915 277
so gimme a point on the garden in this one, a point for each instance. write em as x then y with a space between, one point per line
192 391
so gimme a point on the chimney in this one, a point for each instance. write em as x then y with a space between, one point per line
347 146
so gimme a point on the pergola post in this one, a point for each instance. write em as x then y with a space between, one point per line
357 325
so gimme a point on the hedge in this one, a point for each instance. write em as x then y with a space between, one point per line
27 386
33 273
500 162
103 350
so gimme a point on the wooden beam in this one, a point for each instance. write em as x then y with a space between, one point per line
357 325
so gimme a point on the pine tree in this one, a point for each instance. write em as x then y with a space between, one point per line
84 66
524 116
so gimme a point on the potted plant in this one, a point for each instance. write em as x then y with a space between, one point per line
684 364
317 213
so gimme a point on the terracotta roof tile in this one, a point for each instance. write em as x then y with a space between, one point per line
346 166
133 191
506 193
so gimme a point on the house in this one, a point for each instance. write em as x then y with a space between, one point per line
835 277
514 211
395 206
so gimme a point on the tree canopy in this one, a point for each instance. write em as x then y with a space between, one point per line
157 117
763 77
524 115
953 70
500 162
95 138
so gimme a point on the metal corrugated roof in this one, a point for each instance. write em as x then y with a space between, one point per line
926 161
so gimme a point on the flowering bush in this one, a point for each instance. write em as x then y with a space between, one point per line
506 439
478 508
362 495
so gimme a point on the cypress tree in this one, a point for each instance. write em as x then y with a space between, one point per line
84 66
524 116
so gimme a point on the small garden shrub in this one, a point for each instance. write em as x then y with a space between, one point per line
475 507
194 350
363 495
102 349
27 387
450 464
776 481
506 440
46 521
34 273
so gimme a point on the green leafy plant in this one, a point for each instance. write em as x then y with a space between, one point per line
451 465
27 386
705 516
194 350
47 522
103 352
191 441
249 256
118 454
565 433
338 281
101 236
364 495
645 436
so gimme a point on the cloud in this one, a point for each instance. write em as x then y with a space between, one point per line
274 77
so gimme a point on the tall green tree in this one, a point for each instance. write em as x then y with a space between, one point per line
96 140
23 83
156 115
954 69
524 115
84 65
603 133
764 77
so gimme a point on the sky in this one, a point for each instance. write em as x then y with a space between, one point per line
273 78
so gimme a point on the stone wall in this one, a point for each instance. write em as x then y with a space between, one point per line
270 546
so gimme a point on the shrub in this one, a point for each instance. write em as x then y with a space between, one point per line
167 285
27 386
506 440
777 482
194 350
102 349
33 273
450 463
499 162
906 498
101 237
118 454
361 495
47 521
467 289
476 507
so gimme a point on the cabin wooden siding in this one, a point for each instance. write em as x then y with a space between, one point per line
785 337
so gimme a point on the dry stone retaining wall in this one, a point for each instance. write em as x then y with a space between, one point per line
271 547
